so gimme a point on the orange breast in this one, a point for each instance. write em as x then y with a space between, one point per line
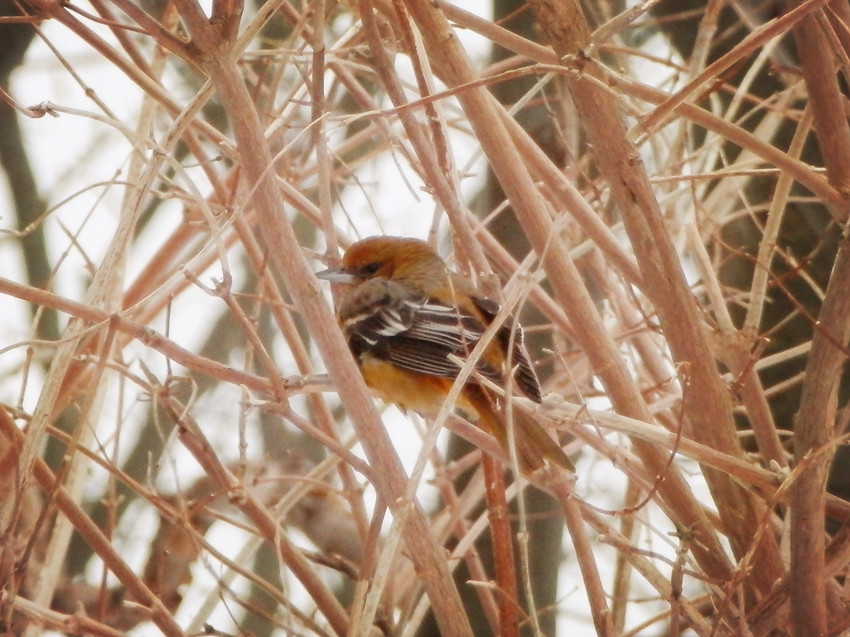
418 392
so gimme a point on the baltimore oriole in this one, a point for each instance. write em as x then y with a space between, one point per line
408 319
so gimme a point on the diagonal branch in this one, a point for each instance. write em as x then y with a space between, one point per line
709 410
449 59
256 159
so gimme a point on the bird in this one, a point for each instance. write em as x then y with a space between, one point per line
410 322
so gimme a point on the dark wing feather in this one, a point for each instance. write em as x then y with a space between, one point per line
515 352
411 330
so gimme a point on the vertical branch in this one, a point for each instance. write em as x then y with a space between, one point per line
602 618
708 409
215 54
814 432
15 163
825 100
503 551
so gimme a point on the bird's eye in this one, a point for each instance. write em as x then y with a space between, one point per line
370 268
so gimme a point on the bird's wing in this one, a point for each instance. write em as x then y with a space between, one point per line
411 330
512 340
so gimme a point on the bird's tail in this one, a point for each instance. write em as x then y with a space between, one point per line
533 443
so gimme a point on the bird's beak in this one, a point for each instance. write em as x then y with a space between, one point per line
336 275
